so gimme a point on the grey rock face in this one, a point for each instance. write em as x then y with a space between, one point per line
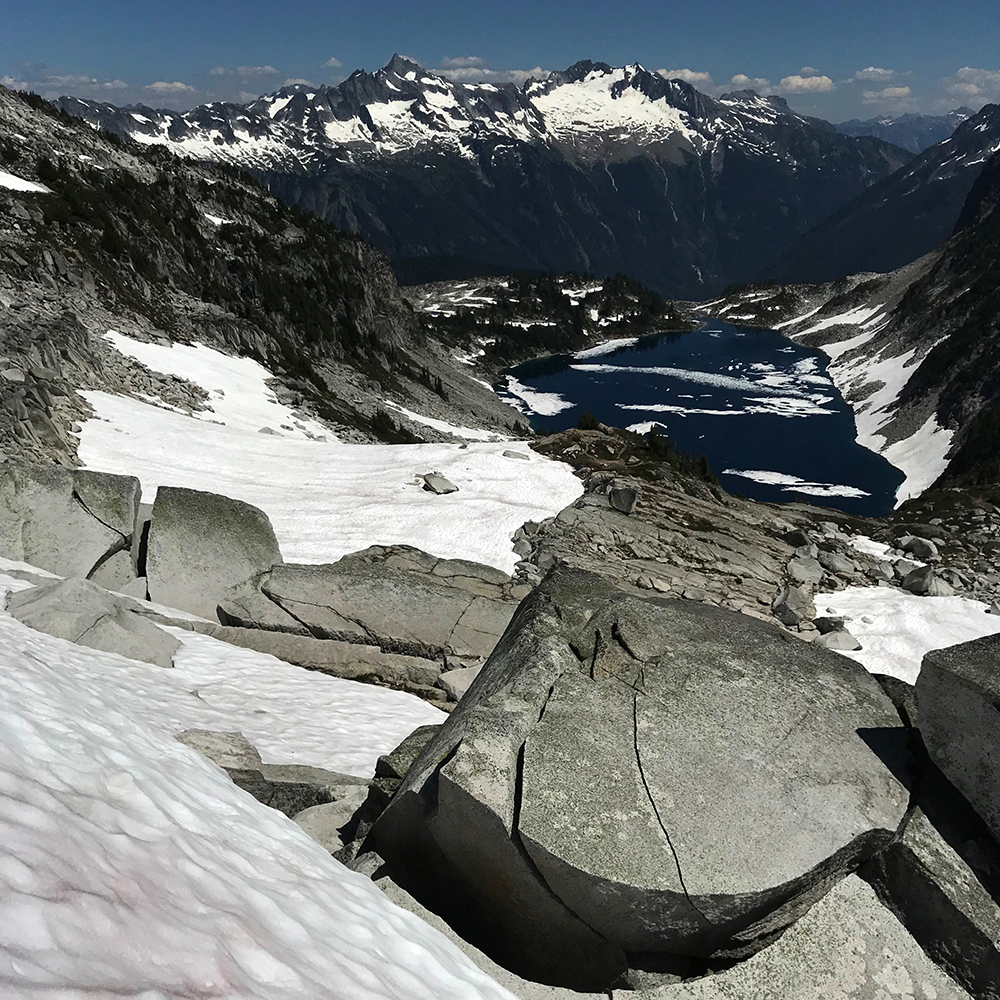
623 498
942 878
84 613
591 745
920 548
838 639
804 569
205 549
958 694
390 608
924 581
848 947
794 605
69 522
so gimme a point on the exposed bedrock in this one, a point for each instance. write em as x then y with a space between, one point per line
639 782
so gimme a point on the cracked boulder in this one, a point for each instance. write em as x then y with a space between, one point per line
204 550
84 613
638 782
69 521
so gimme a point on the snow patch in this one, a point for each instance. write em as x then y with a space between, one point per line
133 866
545 404
904 627
13 183
793 484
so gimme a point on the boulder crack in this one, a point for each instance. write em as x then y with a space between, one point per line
656 811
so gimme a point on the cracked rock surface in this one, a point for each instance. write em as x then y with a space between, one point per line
84 613
69 521
643 781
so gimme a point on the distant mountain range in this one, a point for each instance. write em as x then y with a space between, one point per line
595 169
913 132
900 218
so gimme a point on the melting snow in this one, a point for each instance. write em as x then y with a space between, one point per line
133 866
545 404
325 499
793 484
904 627
608 347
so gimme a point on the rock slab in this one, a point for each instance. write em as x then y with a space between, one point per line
204 549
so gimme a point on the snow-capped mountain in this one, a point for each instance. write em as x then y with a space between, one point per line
913 132
595 168
901 218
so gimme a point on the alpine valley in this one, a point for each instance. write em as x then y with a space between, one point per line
472 542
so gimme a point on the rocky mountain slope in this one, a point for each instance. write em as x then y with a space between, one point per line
901 217
913 132
99 235
916 352
596 169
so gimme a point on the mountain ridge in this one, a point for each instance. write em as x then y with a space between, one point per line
594 169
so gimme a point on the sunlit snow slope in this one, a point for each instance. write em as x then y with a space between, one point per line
133 867
325 499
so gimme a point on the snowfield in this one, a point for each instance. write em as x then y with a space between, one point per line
133 867
903 627
324 498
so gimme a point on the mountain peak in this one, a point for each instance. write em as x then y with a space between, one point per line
400 65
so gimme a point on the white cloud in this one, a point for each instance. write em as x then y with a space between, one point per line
798 84
886 94
114 85
165 87
298 82
969 82
872 74
480 74
247 96
245 72
333 63
461 62
743 82
687 75
809 71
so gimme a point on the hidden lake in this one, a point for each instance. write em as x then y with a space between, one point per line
761 408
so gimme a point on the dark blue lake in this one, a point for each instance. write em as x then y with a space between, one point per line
761 408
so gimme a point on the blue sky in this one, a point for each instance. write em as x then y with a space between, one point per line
839 59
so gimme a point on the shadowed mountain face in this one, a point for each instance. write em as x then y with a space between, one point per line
913 132
916 351
900 218
595 169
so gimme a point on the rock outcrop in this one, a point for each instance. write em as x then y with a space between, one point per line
84 613
643 782
958 711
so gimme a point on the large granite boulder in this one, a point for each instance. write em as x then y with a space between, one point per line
84 613
69 521
640 781
205 549
958 711
942 880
